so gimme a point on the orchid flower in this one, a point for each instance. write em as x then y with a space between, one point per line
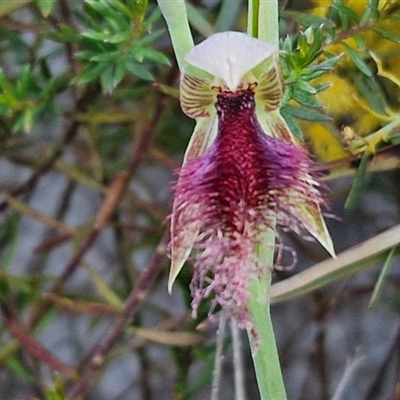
243 171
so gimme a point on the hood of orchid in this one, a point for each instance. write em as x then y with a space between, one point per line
242 169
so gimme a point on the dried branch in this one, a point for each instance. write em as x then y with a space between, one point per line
136 296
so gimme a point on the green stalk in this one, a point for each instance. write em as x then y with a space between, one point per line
263 24
263 345
263 21
175 14
253 18
268 22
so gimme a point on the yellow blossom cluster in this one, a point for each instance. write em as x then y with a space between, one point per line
343 100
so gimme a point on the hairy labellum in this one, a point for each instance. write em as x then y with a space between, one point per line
231 192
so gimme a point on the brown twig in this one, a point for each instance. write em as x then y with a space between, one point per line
71 48
33 179
109 204
34 348
67 138
106 210
134 299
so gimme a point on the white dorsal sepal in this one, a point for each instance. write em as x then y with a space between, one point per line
229 56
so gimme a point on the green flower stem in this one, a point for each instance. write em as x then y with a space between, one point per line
263 345
252 18
263 24
263 21
175 14
268 22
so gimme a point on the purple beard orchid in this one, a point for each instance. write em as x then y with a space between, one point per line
243 172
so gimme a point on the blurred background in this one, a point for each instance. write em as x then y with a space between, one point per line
91 133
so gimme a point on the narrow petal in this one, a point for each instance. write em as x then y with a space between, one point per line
184 231
203 136
184 228
196 97
273 124
312 219
309 213
269 90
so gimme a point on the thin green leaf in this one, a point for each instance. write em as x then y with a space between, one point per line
90 73
372 93
386 34
139 70
85 55
347 263
96 35
24 82
306 87
65 34
119 37
7 7
19 369
168 90
119 73
27 120
119 25
345 11
371 12
286 45
360 42
120 6
382 279
25 285
4 289
136 53
306 99
51 395
58 390
8 239
156 56
358 184
8 95
149 39
305 19
108 56
103 9
315 41
307 114
107 80
103 288
46 6
152 19
180 338
329 63
322 86
358 61
292 123
312 73
139 8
